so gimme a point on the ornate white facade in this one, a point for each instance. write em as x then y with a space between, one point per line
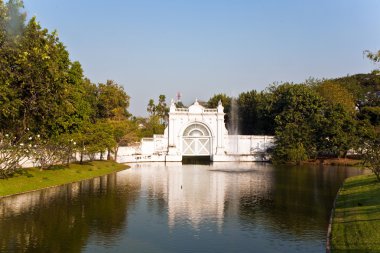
195 131
199 131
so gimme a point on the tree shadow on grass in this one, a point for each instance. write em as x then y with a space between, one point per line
88 163
359 220
367 181
25 173
58 167
369 196
355 251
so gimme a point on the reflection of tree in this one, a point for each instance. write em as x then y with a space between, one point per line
300 199
62 219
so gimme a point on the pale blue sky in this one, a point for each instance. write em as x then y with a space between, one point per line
204 47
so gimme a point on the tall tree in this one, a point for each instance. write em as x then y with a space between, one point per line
151 108
226 102
9 51
40 78
336 94
112 101
158 116
255 113
162 108
300 110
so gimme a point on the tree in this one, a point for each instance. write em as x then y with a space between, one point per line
112 101
255 115
151 108
372 113
226 102
374 57
9 51
47 152
124 132
336 94
160 110
40 79
372 157
300 110
79 101
13 150
214 101
336 132
147 127
94 138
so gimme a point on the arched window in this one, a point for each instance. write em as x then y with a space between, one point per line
196 141
196 130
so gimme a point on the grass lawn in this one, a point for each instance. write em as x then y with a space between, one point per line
356 223
34 179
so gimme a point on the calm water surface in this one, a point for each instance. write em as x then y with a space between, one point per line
227 207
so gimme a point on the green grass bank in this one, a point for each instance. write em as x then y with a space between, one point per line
356 221
34 179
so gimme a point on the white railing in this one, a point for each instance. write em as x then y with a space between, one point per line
181 109
210 110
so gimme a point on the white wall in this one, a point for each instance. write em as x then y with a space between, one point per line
248 144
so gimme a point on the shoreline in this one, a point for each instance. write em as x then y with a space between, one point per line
33 179
335 162
356 216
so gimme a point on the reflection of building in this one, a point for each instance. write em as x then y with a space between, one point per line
195 194
195 197
198 131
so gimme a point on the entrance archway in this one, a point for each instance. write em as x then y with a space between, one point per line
196 141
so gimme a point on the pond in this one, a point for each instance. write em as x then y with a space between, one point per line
223 207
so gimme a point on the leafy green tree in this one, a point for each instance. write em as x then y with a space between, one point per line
375 57
79 101
300 110
336 132
226 102
112 101
149 127
336 94
9 51
372 157
94 139
255 116
214 101
123 132
151 108
372 113
160 110
40 79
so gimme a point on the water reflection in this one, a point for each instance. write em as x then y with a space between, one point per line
275 206
223 207
62 219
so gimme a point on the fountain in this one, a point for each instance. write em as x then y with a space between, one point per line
233 127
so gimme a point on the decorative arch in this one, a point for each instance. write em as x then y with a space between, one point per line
196 140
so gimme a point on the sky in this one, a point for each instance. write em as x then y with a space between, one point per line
204 47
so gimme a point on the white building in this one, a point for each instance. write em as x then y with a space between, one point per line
198 131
